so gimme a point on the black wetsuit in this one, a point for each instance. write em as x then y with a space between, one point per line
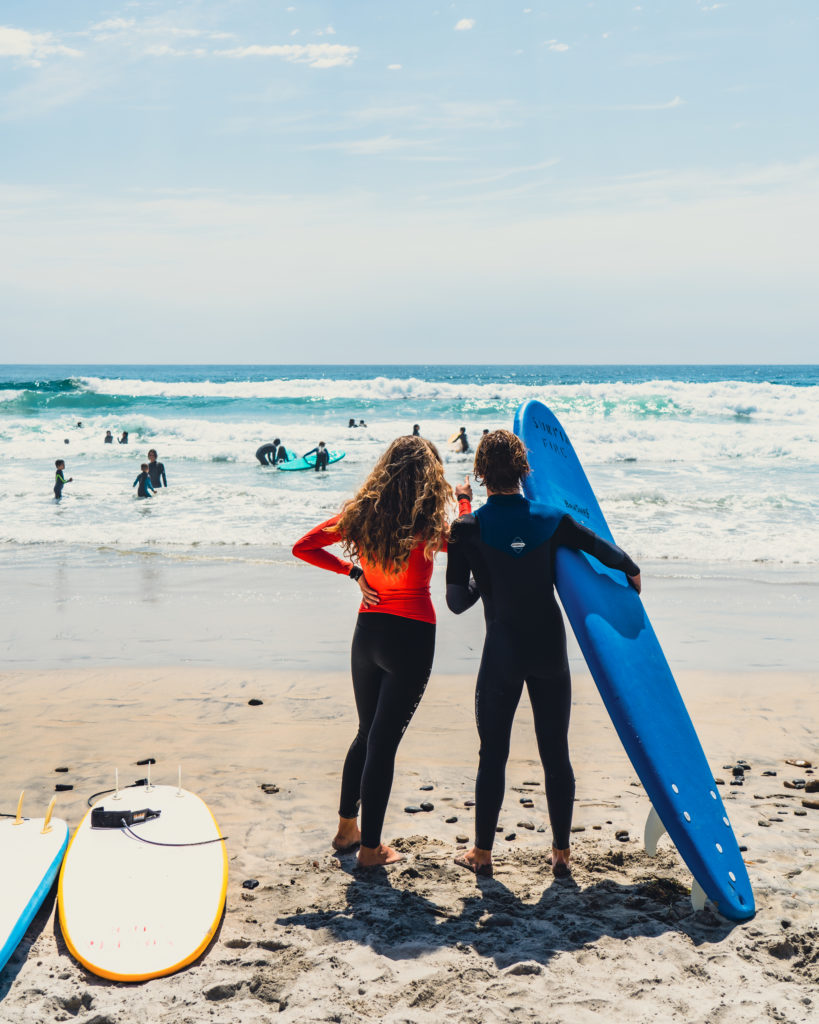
267 455
59 482
322 458
156 471
391 661
143 485
508 547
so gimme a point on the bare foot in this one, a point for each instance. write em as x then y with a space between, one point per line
477 861
378 856
348 836
560 862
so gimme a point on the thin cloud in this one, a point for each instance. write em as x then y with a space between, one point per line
670 105
316 55
556 47
465 24
32 47
379 146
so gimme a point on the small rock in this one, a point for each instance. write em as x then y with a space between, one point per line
800 813
219 992
775 819
637 785
527 967
534 782
269 787
254 702
797 762
794 783
579 828
63 787
410 872
526 800
597 828
250 883
735 782
737 771
727 767
469 803
720 782
412 809
785 922
812 786
542 828
530 825
427 806
813 804
461 839
510 836
622 835
60 769
144 761
770 774
499 828
763 824
426 789
743 849
451 821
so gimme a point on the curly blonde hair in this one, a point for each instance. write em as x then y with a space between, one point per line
405 500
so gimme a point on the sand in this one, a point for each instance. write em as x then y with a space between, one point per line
424 942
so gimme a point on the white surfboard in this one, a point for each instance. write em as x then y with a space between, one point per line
130 910
29 861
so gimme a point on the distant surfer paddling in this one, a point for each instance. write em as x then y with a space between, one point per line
390 530
504 554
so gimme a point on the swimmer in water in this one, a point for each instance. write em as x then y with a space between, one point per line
109 437
60 480
322 456
124 438
145 489
156 471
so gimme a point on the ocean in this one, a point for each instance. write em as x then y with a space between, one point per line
717 465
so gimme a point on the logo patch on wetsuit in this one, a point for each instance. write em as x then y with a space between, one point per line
517 545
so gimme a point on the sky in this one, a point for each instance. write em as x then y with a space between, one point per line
405 181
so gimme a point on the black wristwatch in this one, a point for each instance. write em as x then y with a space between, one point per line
356 572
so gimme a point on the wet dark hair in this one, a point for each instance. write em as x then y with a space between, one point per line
277 440
144 467
59 462
152 451
500 461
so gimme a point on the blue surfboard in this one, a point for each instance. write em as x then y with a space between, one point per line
308 462
633 677
31 851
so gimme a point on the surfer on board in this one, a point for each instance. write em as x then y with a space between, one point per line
504 554
390 530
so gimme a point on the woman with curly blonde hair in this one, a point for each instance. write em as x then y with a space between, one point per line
390 532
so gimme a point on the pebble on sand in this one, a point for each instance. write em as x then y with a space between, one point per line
509 837
798 762
770 773
426 789
461 838
427 806
451 821
527 824
763 824
62 787
250 883
622 835
269 787
412 809
579 828
144 761
254 702
469 803
794 783
813 804
60 769
812 786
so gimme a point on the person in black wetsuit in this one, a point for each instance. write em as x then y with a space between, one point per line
123 438
109 437
59 479
145 489
504 554
416 430
272 454
321 454
156 471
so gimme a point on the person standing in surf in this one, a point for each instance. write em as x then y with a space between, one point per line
390 531
504 554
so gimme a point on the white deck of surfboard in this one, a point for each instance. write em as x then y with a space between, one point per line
131 911
26 858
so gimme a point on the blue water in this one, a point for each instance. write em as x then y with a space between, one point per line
715 463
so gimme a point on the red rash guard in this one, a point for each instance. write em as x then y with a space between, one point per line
405 594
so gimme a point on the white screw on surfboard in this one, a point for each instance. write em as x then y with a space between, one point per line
652 834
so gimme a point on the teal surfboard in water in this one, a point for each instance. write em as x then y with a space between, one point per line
634 680
309 462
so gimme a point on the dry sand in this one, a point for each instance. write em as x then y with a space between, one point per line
424 942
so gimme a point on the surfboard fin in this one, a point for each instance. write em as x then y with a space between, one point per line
653 831
19 819
698 896
49 811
